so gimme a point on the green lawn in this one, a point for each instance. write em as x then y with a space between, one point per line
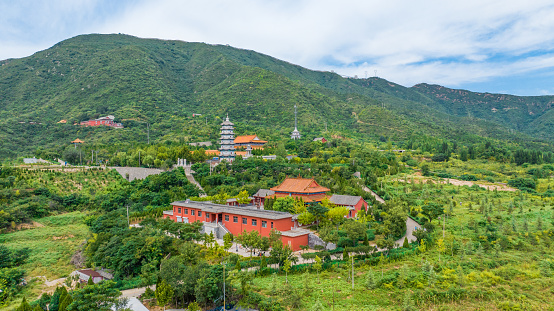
52 247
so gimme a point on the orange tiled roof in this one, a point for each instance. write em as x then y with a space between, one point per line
301 185
240 153
77 141
248 139
214 152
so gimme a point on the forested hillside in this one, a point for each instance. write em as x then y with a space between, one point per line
162 83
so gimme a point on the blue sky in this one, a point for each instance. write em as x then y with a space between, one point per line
486 46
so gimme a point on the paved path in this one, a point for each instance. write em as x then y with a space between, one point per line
188 173
135 292
410 228
366 189
375 195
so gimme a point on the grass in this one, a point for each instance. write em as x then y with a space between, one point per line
52 247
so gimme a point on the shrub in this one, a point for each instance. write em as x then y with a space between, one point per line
522 183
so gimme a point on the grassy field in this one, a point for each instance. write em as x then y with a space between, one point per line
496 254
52 245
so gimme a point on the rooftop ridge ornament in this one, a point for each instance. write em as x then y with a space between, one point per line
295 134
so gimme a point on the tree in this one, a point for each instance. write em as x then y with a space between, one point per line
441 247
432 210
164 294
407 302
220 198
250 240
318 211
345 256
285 204
336 215
193 306
329 235
24 306
402 276
354 230
101 296
317 266
65 303
406 244
279 253
242 197
371 283
306 218
394 222
286 266
228 241
317 306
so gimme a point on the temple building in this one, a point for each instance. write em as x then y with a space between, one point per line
249 140
310 192
227 141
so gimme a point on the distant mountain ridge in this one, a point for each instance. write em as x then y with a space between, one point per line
164 82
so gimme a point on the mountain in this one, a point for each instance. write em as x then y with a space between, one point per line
162 83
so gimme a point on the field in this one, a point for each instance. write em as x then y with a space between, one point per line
52 245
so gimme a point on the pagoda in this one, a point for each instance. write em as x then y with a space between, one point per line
295 134
227 141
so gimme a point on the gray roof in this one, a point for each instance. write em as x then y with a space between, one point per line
348 200
319 138
238 210
264 193
295 232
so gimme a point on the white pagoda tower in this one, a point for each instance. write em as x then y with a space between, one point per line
295 134
227 141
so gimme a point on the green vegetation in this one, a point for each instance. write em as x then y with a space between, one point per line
162 83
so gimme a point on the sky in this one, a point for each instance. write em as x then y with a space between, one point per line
484 46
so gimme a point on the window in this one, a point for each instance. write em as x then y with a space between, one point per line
264 224
186 211
235 219
179 210
272 225
226 217
244 221
207 215
199 213
254 222
192 212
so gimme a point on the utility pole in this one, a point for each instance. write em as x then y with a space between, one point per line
128 222
96 156
223 286
148 130
139 158
92 160
443 225
352 272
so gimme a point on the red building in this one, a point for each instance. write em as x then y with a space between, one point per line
236 219
106 121
354 203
